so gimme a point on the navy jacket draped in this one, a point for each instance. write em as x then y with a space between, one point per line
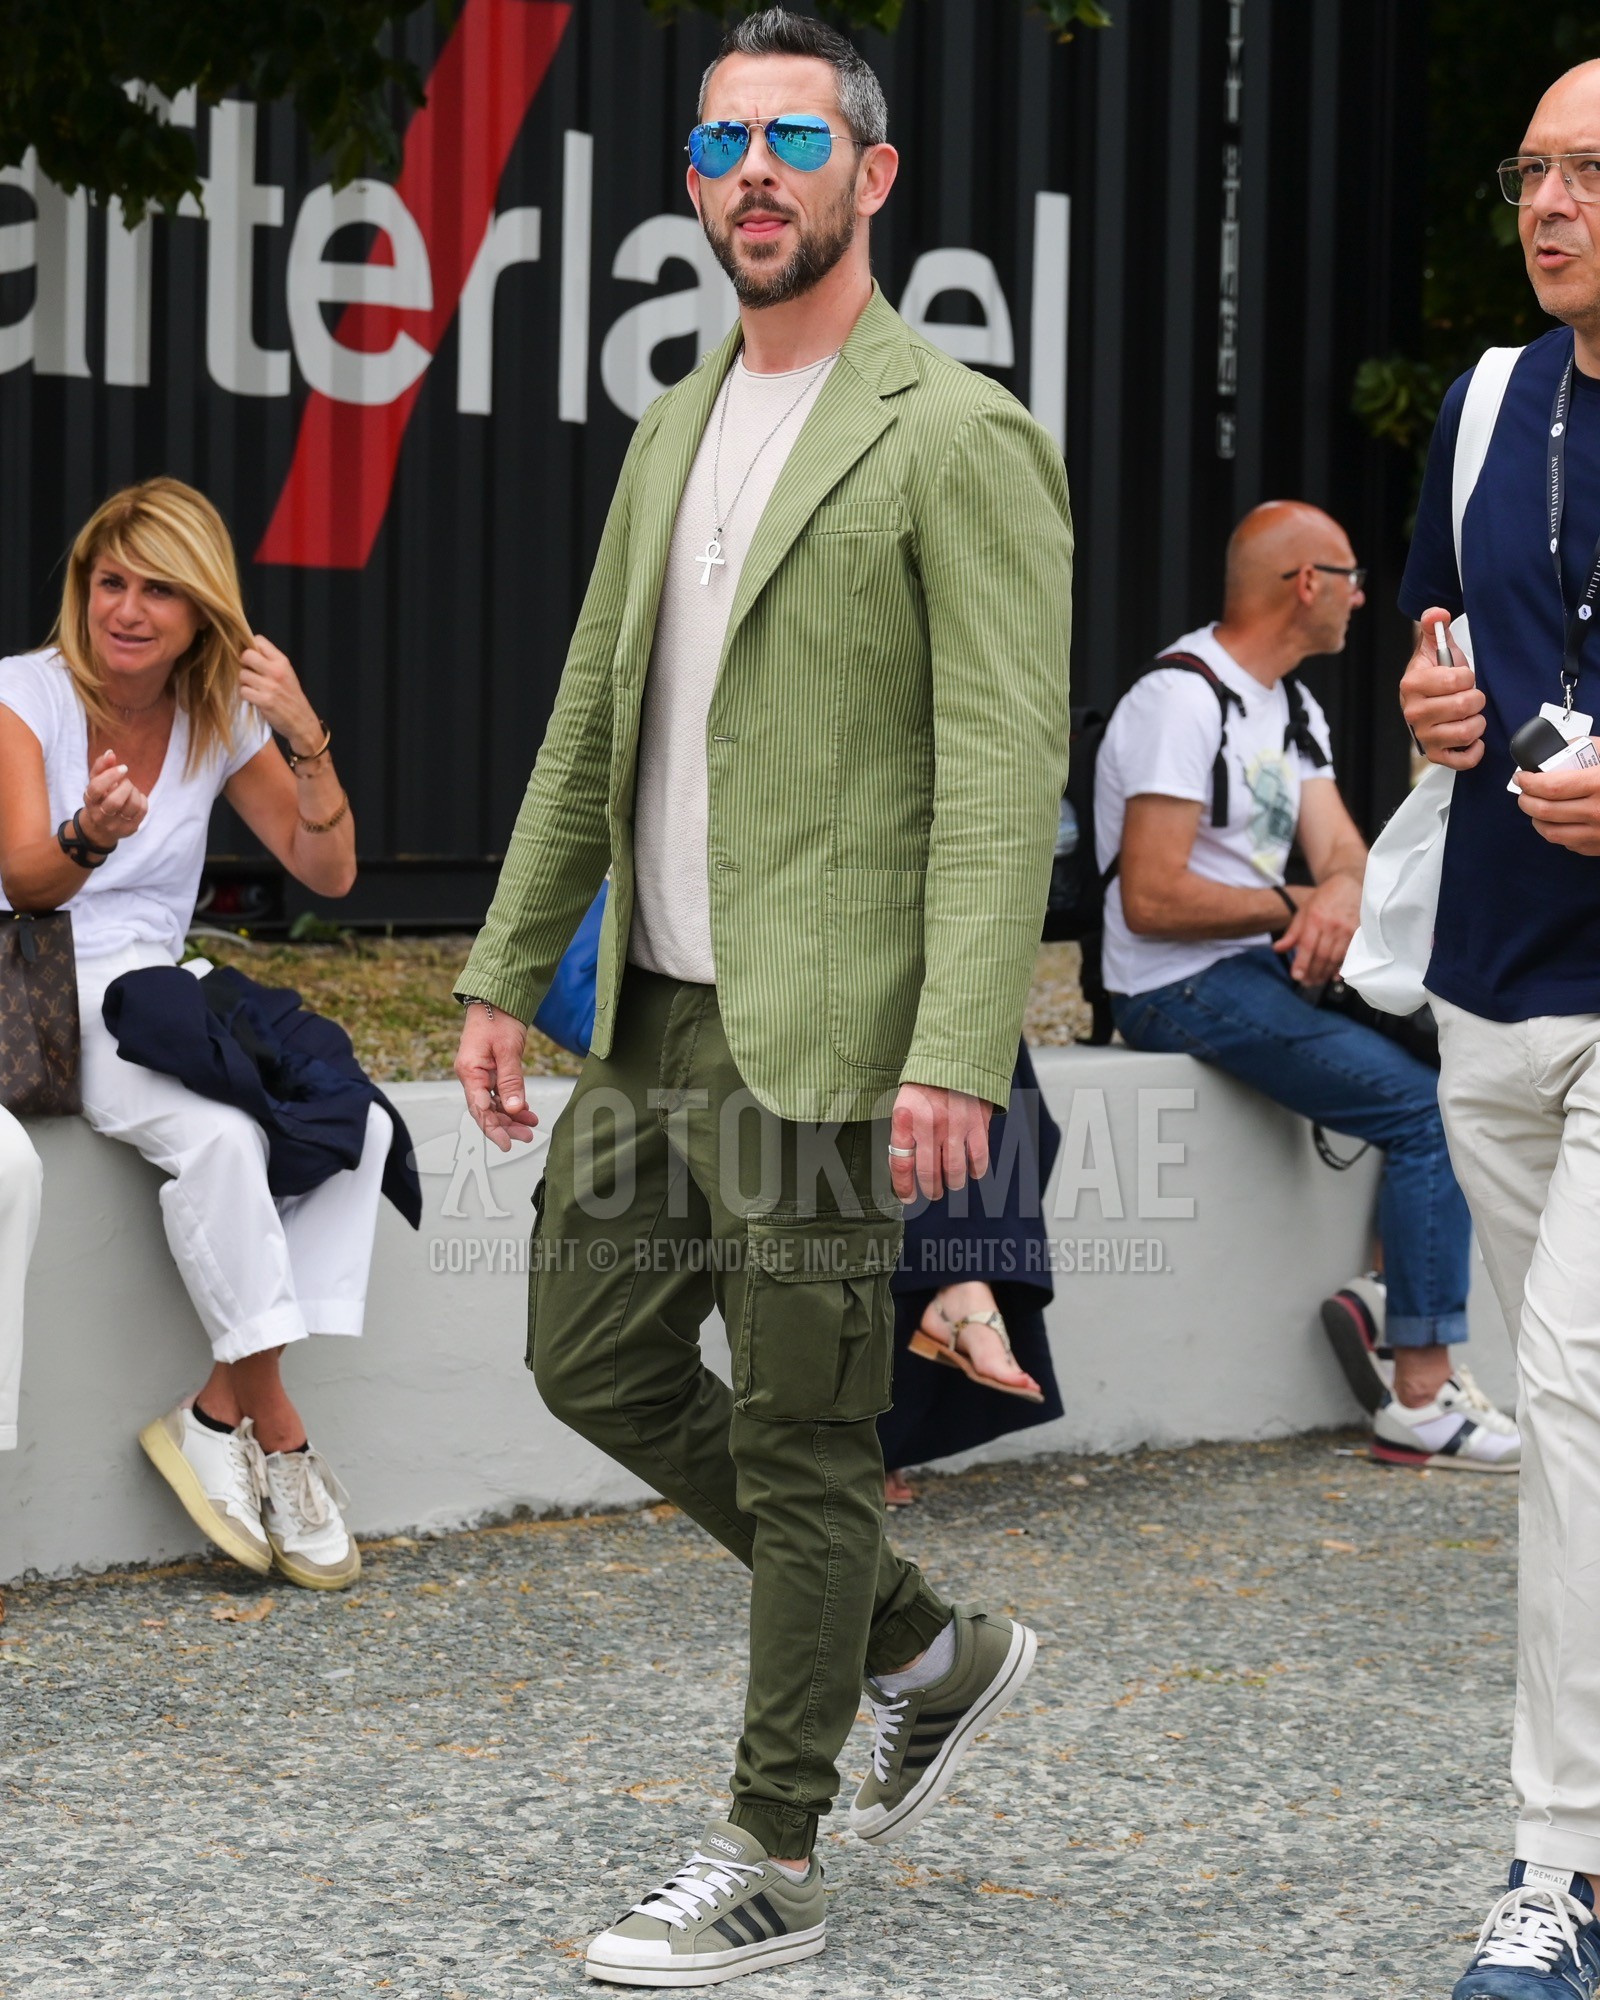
257 1048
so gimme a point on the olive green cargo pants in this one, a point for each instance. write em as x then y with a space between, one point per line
668 1190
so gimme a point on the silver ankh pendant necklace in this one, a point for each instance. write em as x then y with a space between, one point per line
711 557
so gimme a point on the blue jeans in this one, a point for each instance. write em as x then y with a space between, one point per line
1245 1015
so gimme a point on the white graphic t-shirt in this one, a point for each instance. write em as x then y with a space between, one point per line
1162 738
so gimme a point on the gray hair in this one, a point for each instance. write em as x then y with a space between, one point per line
777 32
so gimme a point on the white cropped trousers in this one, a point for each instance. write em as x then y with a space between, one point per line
21 1178
1521 1104
261 1271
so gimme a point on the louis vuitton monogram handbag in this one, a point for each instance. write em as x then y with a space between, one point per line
38 1015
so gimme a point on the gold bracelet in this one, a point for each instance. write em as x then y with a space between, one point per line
310 756
327 825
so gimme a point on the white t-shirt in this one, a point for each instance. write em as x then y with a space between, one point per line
145 893
671 931
1162 738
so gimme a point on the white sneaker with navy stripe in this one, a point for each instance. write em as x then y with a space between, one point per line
727 1910
1539 1942
1459 1431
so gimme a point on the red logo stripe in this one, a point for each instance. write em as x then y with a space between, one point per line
488 74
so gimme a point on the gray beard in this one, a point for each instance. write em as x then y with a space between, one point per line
812 258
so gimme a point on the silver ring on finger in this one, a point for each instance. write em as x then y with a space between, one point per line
902 1152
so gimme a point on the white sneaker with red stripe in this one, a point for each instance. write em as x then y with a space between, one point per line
1459 1431
1353 1320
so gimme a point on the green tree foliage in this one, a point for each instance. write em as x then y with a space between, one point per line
65 68
1064 16
68 67
1491 62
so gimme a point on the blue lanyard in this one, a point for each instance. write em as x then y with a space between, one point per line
1581 617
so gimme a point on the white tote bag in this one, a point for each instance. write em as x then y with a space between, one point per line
1388 956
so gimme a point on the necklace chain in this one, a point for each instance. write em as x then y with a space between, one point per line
127 711
723 515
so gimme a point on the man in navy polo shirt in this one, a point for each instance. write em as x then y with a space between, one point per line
1515 977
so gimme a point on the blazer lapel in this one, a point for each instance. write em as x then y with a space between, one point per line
851 413
671 455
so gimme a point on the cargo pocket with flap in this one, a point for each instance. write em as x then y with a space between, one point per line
817 1339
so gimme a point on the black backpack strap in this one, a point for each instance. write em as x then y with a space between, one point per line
1191 663
1298 733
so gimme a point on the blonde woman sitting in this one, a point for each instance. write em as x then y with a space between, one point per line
153 698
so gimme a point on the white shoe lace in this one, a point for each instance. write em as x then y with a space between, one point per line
887 1716
1478 1403
680 1897
248 1465
1531 1928
305 1487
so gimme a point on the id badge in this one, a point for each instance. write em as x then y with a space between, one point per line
1571 726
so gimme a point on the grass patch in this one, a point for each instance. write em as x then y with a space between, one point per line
392 997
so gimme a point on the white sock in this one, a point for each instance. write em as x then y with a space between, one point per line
798 1869
935 1663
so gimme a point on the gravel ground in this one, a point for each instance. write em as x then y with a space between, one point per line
1260 1754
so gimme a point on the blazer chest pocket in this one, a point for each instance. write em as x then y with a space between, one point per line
848 540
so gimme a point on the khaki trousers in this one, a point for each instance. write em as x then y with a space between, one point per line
1521 1104
670 1190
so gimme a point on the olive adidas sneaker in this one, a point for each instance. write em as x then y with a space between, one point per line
727 1910
921 1734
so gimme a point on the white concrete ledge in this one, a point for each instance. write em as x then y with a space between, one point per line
1201 1229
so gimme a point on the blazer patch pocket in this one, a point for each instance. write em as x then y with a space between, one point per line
851 542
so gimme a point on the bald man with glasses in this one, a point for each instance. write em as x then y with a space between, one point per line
1214 766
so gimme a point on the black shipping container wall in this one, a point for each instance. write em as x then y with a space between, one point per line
1175 240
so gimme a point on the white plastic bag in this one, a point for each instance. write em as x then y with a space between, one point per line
1388 956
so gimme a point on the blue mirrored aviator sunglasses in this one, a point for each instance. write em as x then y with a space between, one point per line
800 139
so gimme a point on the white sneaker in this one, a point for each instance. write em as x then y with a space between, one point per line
220 1477
1353 1320
1459 1431
1478 1403
310 1543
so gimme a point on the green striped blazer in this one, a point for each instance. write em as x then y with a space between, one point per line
887 741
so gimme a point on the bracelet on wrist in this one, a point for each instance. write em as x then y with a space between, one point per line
327 825
298 757
1287 900
79 849
472 1000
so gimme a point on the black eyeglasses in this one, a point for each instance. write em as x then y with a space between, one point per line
1354 574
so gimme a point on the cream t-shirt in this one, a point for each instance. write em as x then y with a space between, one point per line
671 931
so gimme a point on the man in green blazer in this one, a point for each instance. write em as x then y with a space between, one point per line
814 722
